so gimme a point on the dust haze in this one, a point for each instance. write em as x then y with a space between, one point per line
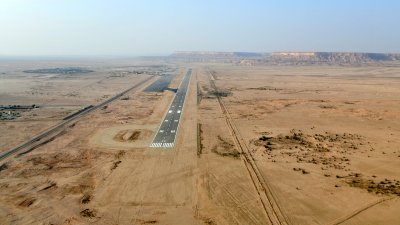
262 138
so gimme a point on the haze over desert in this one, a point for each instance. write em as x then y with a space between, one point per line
206 113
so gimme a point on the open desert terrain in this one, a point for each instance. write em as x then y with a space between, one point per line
256 143
325 139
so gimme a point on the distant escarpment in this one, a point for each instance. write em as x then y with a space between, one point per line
286 58
226 57
331 57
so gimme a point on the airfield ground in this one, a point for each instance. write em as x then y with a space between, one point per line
256 145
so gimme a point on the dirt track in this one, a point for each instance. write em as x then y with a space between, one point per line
318 141
307 154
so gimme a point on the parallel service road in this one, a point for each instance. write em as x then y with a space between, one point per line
48 134
166 134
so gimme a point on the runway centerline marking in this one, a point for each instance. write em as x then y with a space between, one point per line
166 135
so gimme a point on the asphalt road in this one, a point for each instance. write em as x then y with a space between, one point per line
50 133
166 134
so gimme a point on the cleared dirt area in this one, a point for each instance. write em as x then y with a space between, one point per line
256 145
124 136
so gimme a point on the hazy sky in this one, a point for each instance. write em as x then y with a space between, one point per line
151 27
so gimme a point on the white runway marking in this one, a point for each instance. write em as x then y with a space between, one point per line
156 145
168 145
167 132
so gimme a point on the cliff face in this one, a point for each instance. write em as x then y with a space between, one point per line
216 54
228 57
305 58
333 57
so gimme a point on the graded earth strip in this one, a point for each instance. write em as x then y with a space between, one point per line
268 201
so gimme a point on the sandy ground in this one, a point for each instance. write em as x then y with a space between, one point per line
56 95
325 140
332 133
83 178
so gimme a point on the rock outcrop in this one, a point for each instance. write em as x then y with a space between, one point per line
228 57
332 57
302 58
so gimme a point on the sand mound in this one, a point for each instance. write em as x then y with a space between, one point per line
385 187
27 202
127 135
124 137
326 149
225 148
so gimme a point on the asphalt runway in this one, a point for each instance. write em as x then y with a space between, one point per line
161 84
166 134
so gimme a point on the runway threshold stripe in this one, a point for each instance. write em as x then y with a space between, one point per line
162 145
166 134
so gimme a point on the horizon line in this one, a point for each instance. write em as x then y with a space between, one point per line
119 56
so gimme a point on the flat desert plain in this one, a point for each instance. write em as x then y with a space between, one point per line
255 145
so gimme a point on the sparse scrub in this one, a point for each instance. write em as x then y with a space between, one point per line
225 148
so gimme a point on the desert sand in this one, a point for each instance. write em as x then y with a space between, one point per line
256 145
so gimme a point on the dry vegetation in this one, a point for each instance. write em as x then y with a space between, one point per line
324 141
225 148
322 136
